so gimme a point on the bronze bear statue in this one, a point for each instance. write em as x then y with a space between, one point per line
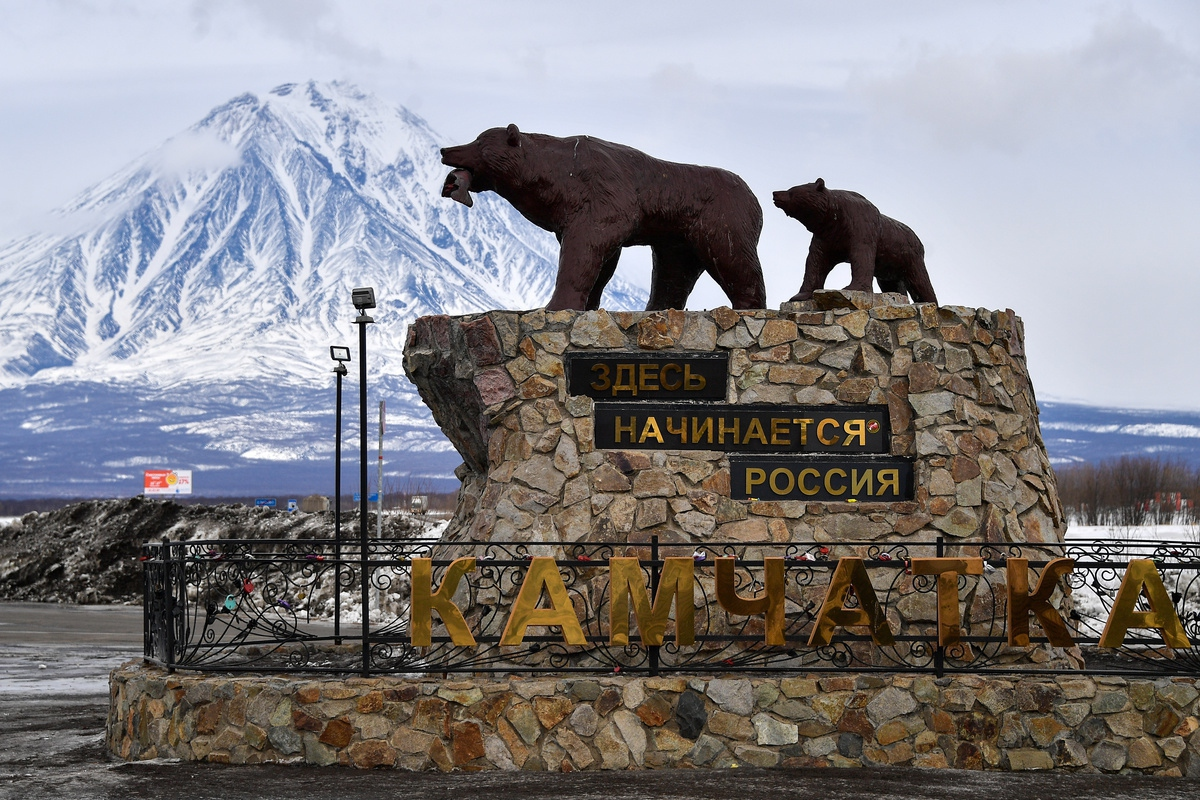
847 227
598 197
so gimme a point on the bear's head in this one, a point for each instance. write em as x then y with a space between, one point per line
810 203
493 158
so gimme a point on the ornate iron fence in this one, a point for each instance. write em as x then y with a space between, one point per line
245 605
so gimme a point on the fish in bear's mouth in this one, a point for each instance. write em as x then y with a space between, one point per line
457 187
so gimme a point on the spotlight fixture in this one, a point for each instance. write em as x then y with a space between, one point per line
363 298
339 353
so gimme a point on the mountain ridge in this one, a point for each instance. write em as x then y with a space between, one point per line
180 312
286 202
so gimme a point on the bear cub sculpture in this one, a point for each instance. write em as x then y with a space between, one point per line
847 227
598 197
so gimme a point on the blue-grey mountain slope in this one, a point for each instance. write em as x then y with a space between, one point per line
1076 433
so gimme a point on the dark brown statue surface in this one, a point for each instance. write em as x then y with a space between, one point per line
598 197
847 227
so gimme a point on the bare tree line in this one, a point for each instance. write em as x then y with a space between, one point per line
1130 491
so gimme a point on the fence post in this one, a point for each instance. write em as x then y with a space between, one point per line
365 586
654 576
939 653
149 601
169 603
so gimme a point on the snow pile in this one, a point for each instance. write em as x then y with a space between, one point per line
88 552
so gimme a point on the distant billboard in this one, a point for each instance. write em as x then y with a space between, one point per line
167 481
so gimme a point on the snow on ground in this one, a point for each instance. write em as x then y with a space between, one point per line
1092 600
1144 533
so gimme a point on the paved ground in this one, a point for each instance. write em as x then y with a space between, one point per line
54 662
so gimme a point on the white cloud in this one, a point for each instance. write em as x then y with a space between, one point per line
195 151
1128 77
314 25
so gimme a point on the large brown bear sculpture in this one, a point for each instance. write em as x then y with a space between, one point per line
847 227
598 197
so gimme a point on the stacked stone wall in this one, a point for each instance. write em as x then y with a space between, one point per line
1074 723
954 381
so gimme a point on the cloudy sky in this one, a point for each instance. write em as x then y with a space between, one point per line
1048 154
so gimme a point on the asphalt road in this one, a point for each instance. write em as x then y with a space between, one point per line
54 663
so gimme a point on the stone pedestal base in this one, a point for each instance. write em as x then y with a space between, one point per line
953 379
1073 724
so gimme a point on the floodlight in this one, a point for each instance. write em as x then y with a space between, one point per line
363 298
339 353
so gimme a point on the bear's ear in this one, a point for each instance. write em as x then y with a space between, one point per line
820 184
514 136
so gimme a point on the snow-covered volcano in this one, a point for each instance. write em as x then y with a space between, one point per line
181 311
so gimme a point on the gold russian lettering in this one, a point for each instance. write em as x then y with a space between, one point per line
648 377
889 477
829 486
674 385
626 380
1021 603
821 426
650 429
855 429
780 430
631 429
787 473
803 423
722 429
705 430
627 582
681 432
770 602
850 576
542 575
604 381
1142 579
755 431
692 383
864 485
802 486
754 477
947 571
425 601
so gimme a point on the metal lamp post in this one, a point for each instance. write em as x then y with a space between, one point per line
364 299
341 355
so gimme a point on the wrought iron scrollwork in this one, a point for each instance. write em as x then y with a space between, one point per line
268 605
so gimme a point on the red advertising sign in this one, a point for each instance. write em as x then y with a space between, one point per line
167 481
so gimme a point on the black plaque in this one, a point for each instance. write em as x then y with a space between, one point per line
648 376
821 479
621 425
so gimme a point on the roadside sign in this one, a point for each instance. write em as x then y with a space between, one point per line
373 497
293 505
167 481
267 502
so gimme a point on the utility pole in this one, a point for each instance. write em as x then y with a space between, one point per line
364 299
379 519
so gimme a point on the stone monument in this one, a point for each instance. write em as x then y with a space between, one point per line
848 418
